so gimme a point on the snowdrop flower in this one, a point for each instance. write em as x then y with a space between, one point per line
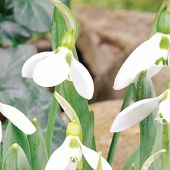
51 68
138 111
69 155
151 55
17 118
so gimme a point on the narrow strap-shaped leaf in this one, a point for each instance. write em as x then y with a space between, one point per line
14 135
15 159
128 98
143 88
39 156
80 105
66 89
134 158
90 139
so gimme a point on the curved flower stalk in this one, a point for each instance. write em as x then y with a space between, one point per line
138 111
69 155
151 159
151 55
17 118
68 15
51 68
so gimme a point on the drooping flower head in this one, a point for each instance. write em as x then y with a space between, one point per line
138 111
69 155
151 56
17 118
51 68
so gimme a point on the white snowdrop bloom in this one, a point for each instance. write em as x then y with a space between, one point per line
138 111
151 55
51 68
17 118
69 155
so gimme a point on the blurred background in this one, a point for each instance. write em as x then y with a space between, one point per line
138 5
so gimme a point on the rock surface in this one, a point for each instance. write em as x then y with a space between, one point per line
105 113
106 39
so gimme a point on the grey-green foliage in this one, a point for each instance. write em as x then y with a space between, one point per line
19 19
15 159
24 94
33 14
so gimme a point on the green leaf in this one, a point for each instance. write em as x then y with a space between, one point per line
143 88
14 135
15 159
33 14
24 94
58 27
39 156
12 33
90 140
113 146
134 159
69 17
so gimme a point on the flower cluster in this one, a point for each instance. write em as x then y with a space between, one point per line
150 56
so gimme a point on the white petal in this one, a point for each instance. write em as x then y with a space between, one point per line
29 65
92 158
17 118
60 159
135 113
82 79
51 71
164 107
142 58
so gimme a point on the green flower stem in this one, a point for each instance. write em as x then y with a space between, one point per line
165 145
112 151
50 126
143 89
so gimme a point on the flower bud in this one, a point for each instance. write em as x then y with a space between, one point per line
74 129
163 23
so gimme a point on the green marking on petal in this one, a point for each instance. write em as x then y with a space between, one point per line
160 118
164 43
165 95
57 50
68 58
99 165
73 143
162 61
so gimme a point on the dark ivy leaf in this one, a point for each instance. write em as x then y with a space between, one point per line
34 14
